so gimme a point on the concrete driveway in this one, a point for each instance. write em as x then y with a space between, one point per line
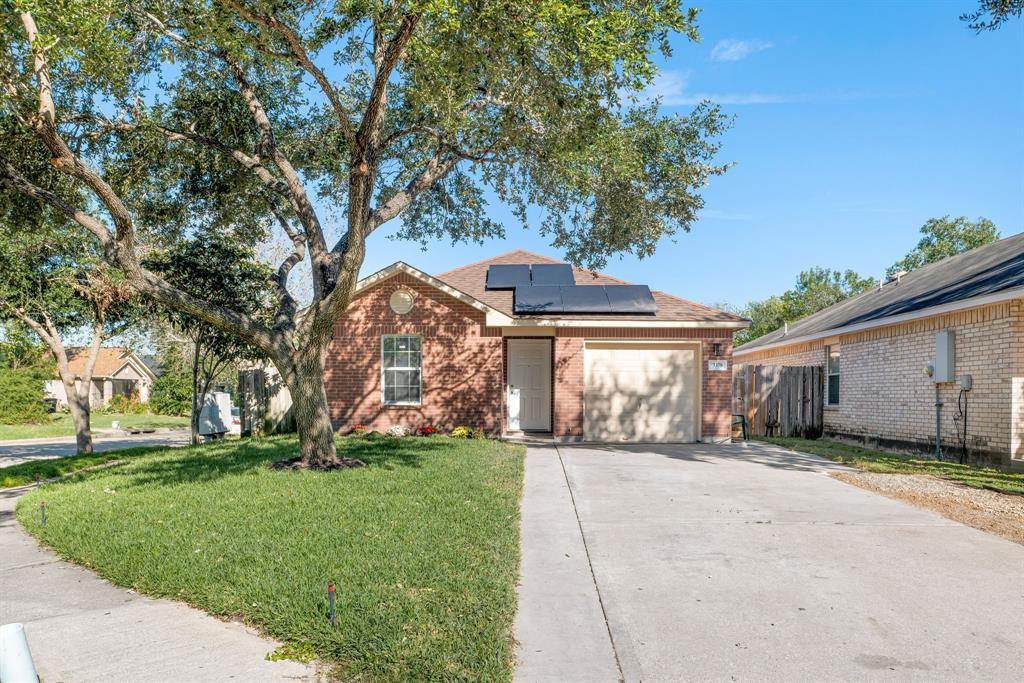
747 562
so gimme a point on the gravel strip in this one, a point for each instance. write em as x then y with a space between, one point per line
998 513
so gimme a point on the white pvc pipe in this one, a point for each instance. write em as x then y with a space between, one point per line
15 660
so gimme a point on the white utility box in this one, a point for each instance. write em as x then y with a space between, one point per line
215 415
945 357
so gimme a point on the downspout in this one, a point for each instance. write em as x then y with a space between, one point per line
938 423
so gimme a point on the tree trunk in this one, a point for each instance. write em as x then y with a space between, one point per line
197 405
303 374
80 411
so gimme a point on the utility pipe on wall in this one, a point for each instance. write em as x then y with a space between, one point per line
938 424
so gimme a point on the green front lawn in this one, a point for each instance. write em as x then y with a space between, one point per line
881 461
35 470
60 425
422 545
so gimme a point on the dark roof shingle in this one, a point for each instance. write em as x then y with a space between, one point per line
986 270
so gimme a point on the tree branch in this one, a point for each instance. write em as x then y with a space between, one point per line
385 60
142 279
298 52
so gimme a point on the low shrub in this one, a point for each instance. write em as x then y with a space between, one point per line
427 430
172 395
463 432
126 405
21 396
359 430
397 431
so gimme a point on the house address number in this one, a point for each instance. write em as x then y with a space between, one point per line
718 365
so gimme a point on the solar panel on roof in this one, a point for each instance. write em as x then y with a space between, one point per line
552 274
630 299
584 299
508 276
538 299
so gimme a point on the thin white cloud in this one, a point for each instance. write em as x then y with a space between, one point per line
733 50
719 215
671 88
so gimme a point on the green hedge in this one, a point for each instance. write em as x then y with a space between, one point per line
172 395
21 396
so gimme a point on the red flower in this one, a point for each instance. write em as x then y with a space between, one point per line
427 430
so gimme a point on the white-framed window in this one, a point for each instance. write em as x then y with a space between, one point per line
831 376
400 369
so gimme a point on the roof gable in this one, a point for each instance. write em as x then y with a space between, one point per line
109 361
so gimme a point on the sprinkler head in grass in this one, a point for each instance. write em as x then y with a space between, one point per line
330 602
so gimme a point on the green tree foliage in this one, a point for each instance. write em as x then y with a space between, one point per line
173 114
21 395
815 289
991 14
225 271
945 237
19 348
172 394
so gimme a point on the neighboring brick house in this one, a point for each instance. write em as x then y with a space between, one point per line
447 350
876 348
117 371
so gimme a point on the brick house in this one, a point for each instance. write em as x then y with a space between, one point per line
610 362
876 348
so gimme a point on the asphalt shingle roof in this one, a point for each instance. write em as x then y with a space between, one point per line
986 270
472 280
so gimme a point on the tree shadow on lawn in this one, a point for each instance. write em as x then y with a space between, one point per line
211 462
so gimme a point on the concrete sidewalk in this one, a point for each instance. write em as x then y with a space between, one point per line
81 628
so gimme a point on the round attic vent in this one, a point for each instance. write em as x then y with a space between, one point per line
401 301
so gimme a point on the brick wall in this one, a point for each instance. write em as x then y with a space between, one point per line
886 397
462 361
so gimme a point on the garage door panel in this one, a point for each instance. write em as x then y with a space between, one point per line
638 392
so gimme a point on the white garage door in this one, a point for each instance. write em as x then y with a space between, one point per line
641 392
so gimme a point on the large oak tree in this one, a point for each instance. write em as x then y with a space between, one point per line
177 113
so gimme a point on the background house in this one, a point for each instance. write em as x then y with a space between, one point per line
876 348
118 371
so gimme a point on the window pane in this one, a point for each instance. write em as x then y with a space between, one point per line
833 362
414 343
401 343
833 390
389 359
401 394
389 393
389 344
414 394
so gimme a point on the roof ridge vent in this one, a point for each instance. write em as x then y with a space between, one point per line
897 277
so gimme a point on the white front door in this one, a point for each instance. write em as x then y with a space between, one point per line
529 384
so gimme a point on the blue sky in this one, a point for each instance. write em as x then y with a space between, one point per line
855 123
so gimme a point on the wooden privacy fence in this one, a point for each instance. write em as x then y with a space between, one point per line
264 403
779 400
